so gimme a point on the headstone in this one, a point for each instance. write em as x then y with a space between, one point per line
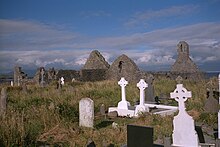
141 107
179 80
62 81
24 88
150 90
90 143
19 75
86 112
167 142
3 101
200 134
139 136
211 104
102 109
12 83
123 104
42 82
184 133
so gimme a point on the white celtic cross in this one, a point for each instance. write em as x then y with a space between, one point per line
142 85
123 83
180 94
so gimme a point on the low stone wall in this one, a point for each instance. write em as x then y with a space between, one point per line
93 74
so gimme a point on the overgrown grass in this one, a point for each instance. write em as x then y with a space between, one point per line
50 116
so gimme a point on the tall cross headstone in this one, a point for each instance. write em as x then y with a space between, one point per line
141 107
18 81
123 104
184 133
42 77
86 112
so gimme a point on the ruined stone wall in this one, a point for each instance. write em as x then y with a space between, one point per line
93 74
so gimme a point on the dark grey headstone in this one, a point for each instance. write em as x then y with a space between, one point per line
200 134
211 104
150 89
139 136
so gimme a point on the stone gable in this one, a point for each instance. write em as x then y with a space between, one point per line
123 66
96 61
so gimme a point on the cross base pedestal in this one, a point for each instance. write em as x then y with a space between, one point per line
123 105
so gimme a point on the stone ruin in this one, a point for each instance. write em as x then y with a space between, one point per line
184 65
19 76
123 66
95 67
48 76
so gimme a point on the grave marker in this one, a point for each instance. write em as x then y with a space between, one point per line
141 107
62 81
150 90
3 101
123 104
86 112
184 133
139 136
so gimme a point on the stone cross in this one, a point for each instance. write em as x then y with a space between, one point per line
180 94
142 85
42 75
123 104
123 83
86 112
184 133
62 81
141 107
179 80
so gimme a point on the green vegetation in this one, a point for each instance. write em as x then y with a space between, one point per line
50 116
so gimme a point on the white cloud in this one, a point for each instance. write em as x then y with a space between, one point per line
44 45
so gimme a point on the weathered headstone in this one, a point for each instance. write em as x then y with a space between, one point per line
139 136
184 133
211 104
86 112
141 107
42 72
24 88
3 101
102 109
19 75
179 80
150 89
123 104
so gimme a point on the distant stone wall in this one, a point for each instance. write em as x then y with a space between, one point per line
93 74
69 75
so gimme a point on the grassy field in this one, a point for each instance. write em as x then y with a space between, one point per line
50 116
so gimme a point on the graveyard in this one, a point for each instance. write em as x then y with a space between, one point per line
38 115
